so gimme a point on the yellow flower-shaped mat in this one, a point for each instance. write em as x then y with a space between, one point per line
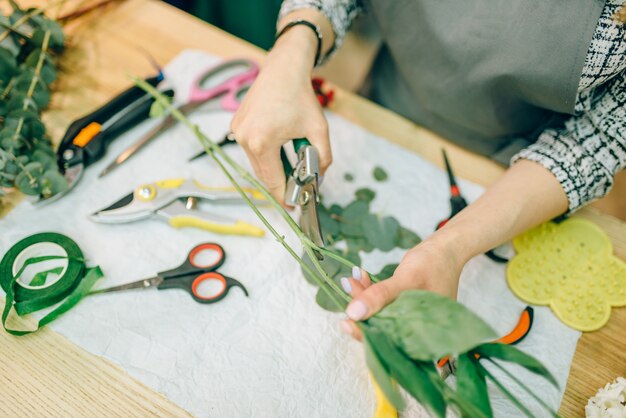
571 268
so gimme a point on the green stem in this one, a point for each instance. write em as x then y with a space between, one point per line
523 386
269 226
212 148
504 390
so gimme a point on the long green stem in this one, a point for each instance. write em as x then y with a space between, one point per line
212 149
523 386
269 226
504 390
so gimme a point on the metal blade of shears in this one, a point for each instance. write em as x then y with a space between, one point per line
139 284
303 189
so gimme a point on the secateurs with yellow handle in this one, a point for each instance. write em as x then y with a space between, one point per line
87 138
176 201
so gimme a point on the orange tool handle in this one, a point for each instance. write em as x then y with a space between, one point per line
521 330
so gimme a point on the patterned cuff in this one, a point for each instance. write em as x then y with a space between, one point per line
340 13
583 177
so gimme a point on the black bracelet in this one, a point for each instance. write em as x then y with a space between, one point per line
313 27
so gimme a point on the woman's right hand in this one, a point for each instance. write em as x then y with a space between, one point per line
281 106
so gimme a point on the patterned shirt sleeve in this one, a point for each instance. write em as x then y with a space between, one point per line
590 149
340 13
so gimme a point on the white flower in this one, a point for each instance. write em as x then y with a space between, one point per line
609 402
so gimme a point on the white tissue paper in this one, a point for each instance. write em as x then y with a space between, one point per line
275 353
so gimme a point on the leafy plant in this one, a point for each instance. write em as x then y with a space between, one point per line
28 48
405 339
357 230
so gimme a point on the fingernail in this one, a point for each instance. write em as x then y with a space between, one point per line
320 180
345 326
356 273
356 310
345 283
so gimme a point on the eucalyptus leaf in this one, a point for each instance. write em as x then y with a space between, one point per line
509 353
365 195
386 272
351 218
415 320
471 384
53 182
329 264
406 238
380 232
28 180
47 160
8 64
379 174
325 302
348 177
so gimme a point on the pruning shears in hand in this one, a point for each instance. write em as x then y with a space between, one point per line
458 203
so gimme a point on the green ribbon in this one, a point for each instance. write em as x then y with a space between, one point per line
74 284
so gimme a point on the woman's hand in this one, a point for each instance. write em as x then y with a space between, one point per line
526 196
281 106
430 266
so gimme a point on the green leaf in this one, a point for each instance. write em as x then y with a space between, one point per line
386 272
471 384
380 372
365 195
325 302
357 244
330 266
509 353
53 182
28 180
47 160
380 232
420 321
57 38
330 226
411 375
348 177
407 239
8 64
351 218
379 174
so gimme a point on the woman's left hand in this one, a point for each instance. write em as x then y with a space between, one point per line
429 266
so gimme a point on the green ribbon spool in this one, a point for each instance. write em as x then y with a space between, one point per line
74 282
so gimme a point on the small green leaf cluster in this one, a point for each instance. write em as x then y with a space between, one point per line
29 42
359 231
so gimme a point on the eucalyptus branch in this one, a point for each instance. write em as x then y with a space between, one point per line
29 95
267 224
212 148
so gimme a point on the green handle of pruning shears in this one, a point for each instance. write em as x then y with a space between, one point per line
297 144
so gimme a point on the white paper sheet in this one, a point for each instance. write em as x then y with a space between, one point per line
275 353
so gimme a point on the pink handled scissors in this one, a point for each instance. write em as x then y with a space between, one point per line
219 88
228 81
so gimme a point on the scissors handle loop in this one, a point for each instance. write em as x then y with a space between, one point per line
193 263
226 282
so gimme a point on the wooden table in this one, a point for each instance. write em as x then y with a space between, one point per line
44 374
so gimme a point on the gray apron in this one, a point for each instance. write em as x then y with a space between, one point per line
489 75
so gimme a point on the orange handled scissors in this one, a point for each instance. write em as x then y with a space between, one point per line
193 276
521 330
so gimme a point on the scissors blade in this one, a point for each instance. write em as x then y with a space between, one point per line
309 219
139 284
